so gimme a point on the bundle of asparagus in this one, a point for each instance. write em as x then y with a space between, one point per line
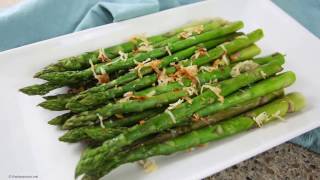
166 93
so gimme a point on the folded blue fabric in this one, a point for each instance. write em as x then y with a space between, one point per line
308 14
35 20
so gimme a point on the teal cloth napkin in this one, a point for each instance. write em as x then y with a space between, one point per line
35 20
306 12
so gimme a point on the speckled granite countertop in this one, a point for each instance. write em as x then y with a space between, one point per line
286 161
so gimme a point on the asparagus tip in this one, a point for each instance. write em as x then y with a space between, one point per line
29 91
54 122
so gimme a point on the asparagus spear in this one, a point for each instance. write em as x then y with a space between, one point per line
219 74
98 134
141 83
232 47
79 134
274 57
87 100
265 114
89 117
58 103
58 96
205 120
82 61
78 76
40 89
246 53
60 120
93 158
84 133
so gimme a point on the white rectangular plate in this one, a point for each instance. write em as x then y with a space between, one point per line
29 146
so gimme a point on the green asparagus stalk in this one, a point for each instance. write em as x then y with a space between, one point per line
274 57
78 76
79 103
60 120
40 89
58 96
87 101
98 133
78 134
203 120
246 53
93 158
219 74
89 117
84 133
82 61
277 109
217 53
58 103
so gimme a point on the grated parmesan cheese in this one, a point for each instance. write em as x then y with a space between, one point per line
261 118
263 74
189 72
154 65
148 165
126 96
145 48
139 37
199 53
103 78
168 50
129 95
215 90
174 105
196 118
196 29
171 116
223 48
278 115
100 120
102 56
191 90
188 99
243 67
185 35
207 68
141 65
163 79
225 59
92 68
123 56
